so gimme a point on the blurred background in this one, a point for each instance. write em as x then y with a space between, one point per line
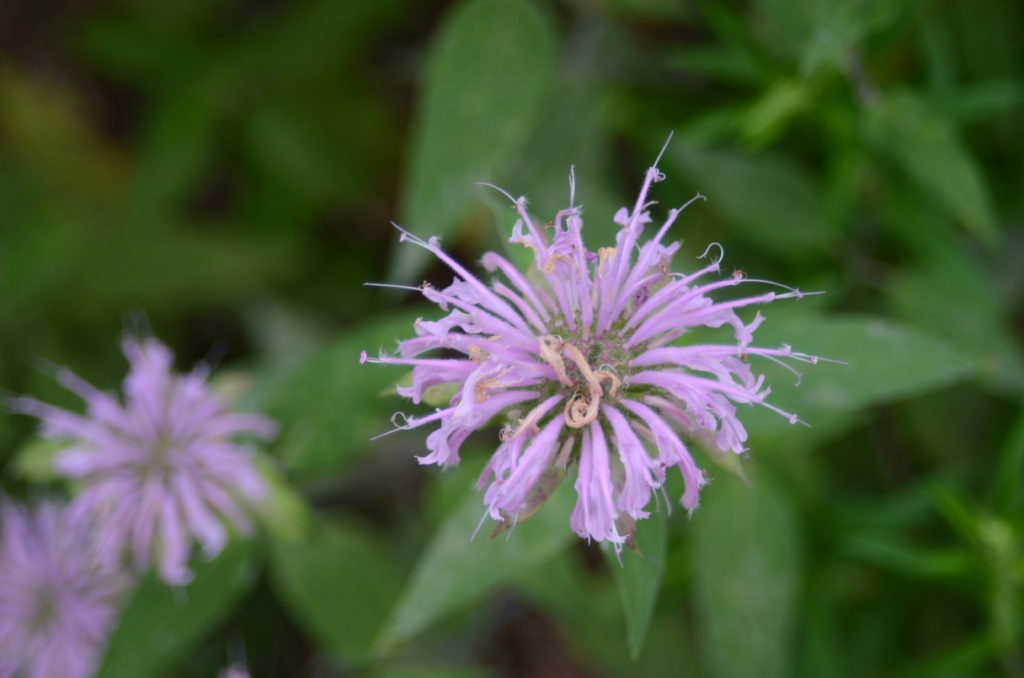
223 173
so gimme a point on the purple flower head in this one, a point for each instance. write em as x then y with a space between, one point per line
585 358
161 467
58 598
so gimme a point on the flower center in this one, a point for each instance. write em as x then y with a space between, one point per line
582 406
163 455
44 609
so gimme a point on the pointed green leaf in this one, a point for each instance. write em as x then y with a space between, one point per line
456 569
638 575
589 612
929 149
573 131
885 360
911 561
284 512
780 105
747 574
769 200
160 625
485 81
949 279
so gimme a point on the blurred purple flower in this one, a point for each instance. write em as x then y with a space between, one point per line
580 356
161 467
58 599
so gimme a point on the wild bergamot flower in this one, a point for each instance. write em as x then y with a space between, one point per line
584 357
162 467
58 597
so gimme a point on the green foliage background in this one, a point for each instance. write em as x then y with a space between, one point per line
225 172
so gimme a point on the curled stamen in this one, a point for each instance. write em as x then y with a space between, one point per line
580 411
605 375
400 421
572 186
721 253
697 196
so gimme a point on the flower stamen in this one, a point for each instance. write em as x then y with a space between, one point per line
549 345
480 391
582 409
549 265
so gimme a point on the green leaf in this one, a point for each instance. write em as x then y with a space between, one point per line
338 584
949 279
1007 491
747 569
929 149
980 101
784 26
329 406
457 570
638 577
819 33
914 563
161 626
573 131
885 360
774 110
284 512
771 201
588 610
487 75
34 460
839 28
